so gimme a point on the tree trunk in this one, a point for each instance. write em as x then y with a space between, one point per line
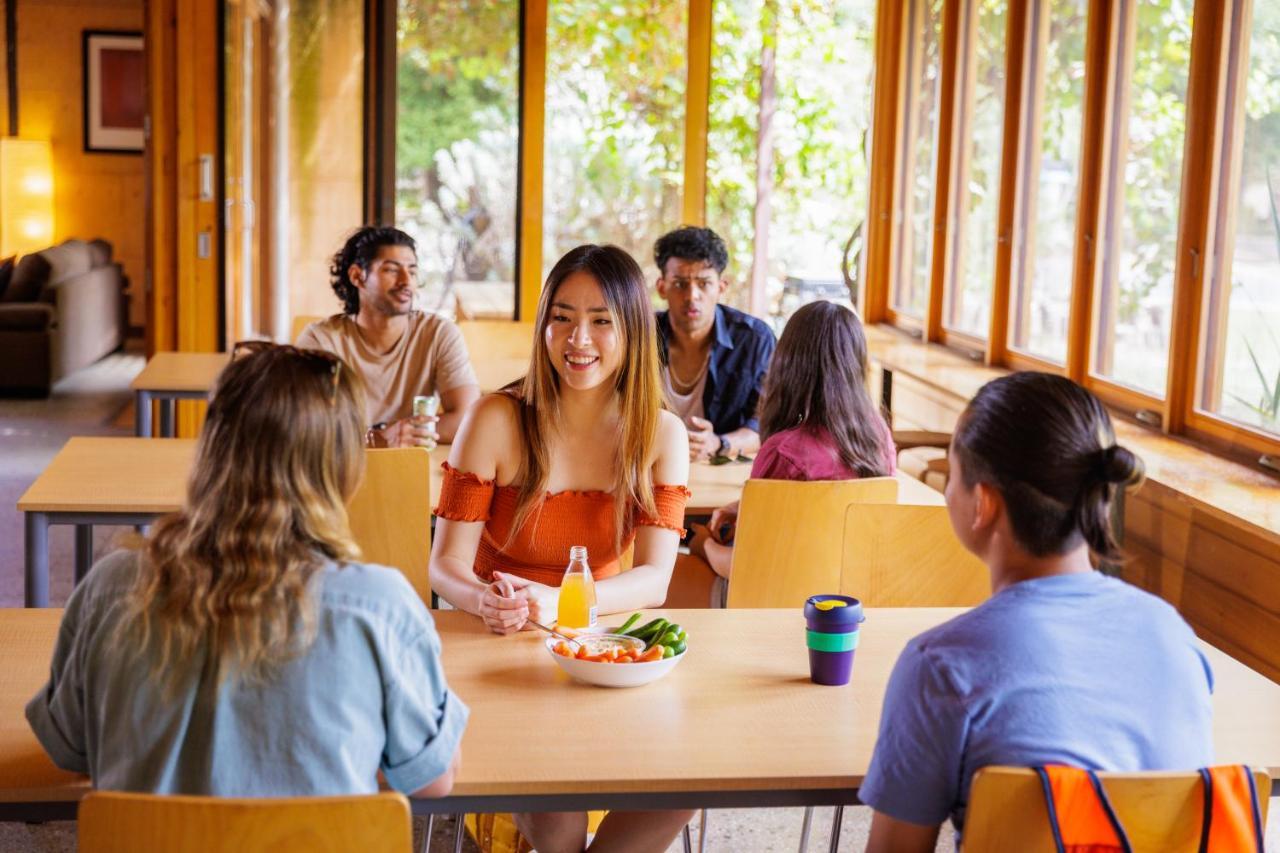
768 104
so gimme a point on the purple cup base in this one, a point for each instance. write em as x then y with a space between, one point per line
833 669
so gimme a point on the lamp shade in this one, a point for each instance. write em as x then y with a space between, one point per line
26 196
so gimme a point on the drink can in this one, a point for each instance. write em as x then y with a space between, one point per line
424 407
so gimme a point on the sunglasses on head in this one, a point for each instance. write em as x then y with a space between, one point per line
323 361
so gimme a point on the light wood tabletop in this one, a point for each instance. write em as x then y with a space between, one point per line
180 371
113 474
739 717
195 372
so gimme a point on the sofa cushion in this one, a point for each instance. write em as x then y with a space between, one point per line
99 253
68 260
35 316
6 271
28 280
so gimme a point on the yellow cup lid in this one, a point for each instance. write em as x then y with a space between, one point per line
830 604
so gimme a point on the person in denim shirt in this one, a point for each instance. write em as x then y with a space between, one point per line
244 650
715 357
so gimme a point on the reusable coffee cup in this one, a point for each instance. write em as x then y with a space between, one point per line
833 622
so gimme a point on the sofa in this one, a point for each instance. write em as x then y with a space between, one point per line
61 309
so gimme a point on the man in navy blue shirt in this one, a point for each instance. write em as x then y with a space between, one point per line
715 356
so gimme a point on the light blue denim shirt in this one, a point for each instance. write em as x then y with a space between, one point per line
369 694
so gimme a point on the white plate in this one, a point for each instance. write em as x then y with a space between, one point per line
613 674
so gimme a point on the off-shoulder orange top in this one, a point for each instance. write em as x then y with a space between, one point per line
540 549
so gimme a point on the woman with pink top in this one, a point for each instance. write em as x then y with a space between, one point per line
817 421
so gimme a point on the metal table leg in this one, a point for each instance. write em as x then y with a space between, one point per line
84 550
36 546
167 406
835 829
142 414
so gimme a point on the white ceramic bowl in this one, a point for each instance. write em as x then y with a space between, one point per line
613 674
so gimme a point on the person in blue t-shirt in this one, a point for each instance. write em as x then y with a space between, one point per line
1062 665
244 651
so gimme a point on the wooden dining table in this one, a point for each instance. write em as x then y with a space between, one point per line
736 724
131 481
172 376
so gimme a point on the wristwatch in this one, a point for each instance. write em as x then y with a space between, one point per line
724 446
371 434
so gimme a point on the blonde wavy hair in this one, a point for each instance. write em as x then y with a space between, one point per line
280 454
637 386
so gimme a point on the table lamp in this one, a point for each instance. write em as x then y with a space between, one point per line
26 196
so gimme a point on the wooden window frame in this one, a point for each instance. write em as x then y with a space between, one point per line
1225 65
1033 24
910 65
1108 142
951 247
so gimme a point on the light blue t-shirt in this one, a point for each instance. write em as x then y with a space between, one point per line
1081 669
369 694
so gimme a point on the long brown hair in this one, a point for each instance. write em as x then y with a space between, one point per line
816 381
637 386
1048 445
279 455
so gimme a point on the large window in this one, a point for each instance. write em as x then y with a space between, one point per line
457 143
790 199
1051 179
920 165
1241 378
980 131
1134 302
615 104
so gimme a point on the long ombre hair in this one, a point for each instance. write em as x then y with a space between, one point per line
280 453
815 381
637 385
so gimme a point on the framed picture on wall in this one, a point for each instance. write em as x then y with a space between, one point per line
115 94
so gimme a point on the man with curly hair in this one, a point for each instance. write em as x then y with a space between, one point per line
400 352
716 356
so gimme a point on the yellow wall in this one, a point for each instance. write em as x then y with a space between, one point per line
96 195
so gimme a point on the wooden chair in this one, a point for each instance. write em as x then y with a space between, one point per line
790 535
788 547
1159 811
497 339
895 555
390 513
922 454
124 823
299 323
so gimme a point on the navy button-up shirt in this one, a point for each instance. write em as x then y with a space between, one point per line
740 352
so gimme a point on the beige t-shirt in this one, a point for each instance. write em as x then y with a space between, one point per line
430 357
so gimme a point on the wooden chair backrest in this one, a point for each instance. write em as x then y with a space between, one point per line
900 555
789 537
497 339
299 323
1159 811
390 513
112 822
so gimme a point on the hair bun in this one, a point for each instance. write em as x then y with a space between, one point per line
1118 464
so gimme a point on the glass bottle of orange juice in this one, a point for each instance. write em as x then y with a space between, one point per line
577 592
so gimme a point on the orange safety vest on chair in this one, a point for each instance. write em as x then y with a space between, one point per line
1083 820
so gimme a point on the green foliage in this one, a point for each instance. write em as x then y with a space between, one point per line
824 64
1268 404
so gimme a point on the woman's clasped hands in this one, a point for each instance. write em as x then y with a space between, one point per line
509 601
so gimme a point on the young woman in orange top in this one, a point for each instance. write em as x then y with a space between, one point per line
582 453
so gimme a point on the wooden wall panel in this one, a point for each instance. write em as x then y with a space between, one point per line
917 405
95 194
1224 580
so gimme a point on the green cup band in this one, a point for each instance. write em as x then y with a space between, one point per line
821 642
